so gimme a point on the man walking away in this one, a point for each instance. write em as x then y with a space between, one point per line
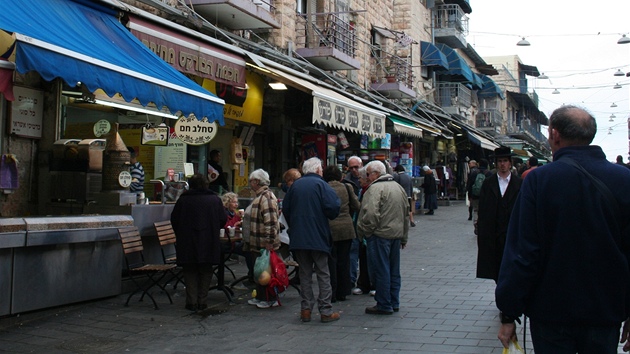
567 257
307 207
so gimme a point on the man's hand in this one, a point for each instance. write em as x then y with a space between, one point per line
625 333
507 333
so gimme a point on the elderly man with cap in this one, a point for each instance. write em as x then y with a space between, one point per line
496 200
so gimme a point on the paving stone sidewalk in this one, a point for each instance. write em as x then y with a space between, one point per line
444 309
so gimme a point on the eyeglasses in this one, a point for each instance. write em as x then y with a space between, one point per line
369 173
353 167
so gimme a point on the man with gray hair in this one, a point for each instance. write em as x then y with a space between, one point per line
384 222
307 207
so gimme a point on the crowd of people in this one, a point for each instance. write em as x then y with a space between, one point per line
344 231
555 238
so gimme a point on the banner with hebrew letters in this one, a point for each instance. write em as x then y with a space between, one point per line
345 117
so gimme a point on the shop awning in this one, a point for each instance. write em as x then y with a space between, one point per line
432 56
481 141
6 79
490 88
404 126
457 65
87 44
331 108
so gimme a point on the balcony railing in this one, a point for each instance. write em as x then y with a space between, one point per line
452 94
489 118
326 30
451 16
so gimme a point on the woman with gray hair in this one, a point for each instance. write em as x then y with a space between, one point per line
261 229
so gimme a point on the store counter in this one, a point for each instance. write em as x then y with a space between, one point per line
53 261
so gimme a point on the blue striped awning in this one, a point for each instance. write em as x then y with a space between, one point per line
432 56
80 41
490 88
457 64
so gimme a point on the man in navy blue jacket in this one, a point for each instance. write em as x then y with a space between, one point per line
566 263
307 207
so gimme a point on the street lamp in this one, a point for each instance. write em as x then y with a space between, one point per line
623 40
524 43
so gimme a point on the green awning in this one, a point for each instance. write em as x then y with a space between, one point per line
405 126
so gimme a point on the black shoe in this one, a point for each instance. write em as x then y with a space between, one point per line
413 224
341 298
375 311
470 218
191 307
396 309
202 307
429 213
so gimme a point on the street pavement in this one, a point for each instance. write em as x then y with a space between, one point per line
443 309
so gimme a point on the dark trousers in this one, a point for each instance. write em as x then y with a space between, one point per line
571 339
198 278
363 282
339 266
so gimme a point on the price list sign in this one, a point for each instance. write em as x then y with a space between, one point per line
27 112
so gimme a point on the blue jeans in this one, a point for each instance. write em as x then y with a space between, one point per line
571 339
354 260
384 269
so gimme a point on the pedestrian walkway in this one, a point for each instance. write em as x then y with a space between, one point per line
444 309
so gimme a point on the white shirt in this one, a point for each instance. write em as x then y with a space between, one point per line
503 183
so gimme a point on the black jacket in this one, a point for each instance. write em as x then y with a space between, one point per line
494 216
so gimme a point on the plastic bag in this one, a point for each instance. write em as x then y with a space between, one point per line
279 277
513 348
262 268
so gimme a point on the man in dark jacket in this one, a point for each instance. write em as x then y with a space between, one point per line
307 207
404 180
497 198
197 218
567 257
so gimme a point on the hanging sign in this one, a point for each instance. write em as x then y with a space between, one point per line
102 127
193 131
154 136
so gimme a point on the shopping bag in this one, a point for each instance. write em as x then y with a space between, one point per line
513 348
262 268
279 277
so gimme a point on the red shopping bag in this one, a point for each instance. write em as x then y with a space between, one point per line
279 277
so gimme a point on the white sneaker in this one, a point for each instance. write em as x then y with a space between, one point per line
372 292
254 301
357 291
267 304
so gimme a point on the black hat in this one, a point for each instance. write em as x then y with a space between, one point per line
503 152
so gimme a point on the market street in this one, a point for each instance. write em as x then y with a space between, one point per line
444 309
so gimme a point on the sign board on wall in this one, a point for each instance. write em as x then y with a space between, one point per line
171 156
27 112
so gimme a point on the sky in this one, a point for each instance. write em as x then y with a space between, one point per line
574 44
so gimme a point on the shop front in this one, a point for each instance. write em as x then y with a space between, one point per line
78 85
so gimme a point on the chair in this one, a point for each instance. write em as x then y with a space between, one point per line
137 269
167 239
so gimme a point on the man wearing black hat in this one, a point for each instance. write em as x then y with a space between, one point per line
496 200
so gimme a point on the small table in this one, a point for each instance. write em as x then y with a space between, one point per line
221 269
